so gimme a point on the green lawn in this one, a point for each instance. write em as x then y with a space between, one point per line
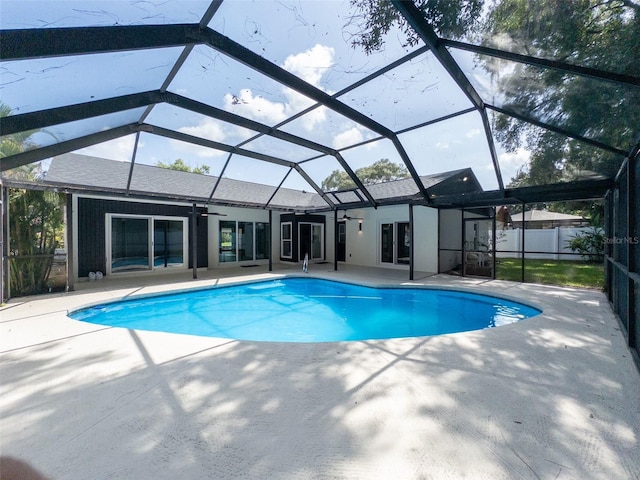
554 272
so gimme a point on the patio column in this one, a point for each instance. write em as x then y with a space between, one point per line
335 240
3 278
194 241
524 227
411 244
270 240
493 246
68 243
632 190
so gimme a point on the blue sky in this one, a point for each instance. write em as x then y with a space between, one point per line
311 39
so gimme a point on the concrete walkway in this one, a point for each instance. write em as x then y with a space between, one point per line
552 397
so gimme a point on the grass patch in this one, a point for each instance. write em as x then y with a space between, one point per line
552 272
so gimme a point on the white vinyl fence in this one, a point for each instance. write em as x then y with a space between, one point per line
554 240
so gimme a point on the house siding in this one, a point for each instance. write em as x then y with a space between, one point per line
91 229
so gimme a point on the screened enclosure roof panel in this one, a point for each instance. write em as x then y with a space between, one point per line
277 94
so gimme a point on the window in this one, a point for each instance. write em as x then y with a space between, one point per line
243 241
286 240
137 243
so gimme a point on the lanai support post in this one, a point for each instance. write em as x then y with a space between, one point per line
411 243
270 240
335 240
493 246
632 190
68 241
194 241
3 278
524 228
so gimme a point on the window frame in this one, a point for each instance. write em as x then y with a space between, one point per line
284 240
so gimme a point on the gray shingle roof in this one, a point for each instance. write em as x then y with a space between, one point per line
98 174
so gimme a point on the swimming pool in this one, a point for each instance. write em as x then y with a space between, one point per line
309 310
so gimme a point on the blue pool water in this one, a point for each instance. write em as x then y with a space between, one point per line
309 310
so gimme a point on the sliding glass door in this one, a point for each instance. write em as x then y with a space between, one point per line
168 243
130 241
138 243
395 243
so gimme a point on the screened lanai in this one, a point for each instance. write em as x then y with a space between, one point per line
283 93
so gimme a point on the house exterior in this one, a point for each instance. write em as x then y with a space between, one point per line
163 219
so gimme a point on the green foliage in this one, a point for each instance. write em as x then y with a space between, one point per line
12 144
179 164
583 32
591 33
589 244
381 171
35 222
375 18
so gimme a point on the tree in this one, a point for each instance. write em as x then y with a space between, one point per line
381 171
179 164
598 34
35 222
375 18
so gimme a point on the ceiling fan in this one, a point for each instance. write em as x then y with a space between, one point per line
205 213
347 217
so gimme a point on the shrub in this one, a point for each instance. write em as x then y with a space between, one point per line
589 244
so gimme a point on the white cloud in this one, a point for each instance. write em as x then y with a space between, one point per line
119 149
310 65
254 106
472 133
514 159
442 145
348 137
510 162
208 129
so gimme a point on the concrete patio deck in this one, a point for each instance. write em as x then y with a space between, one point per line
556 396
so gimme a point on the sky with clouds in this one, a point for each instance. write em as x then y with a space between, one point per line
311 40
